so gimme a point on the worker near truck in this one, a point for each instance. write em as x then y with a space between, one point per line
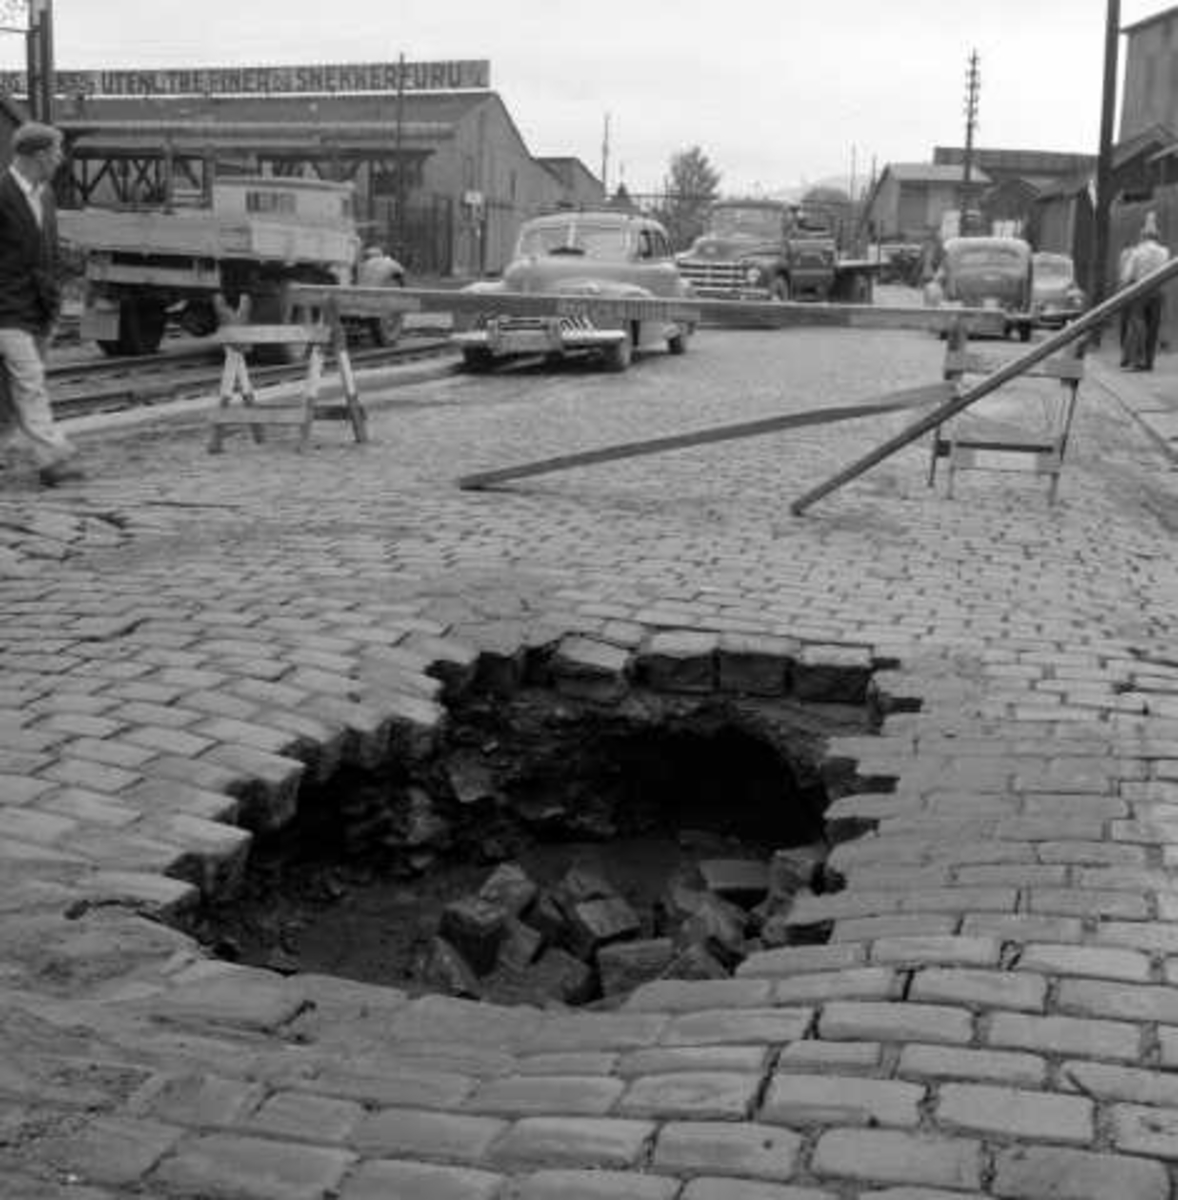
1145 314
30 299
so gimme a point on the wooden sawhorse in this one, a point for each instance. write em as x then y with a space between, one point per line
1046 452
236 383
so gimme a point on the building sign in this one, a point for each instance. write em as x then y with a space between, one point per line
462 74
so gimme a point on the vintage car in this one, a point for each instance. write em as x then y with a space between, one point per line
591 255
1056 298
986 272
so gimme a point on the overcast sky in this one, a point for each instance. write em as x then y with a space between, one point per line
775 92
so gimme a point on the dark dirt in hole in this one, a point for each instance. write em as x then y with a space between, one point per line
636 797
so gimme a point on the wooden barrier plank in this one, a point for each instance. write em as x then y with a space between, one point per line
368 301
936 393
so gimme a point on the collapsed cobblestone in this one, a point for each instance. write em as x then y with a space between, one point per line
989 1013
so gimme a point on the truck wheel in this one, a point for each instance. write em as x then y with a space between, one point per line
141 328
476 360
677 342
1024 331
386 330
779 288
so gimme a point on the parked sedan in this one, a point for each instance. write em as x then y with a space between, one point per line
1056 298
598 255
986 272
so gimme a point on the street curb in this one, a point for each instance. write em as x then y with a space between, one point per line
1158 419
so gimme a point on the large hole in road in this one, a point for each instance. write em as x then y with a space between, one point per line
551 849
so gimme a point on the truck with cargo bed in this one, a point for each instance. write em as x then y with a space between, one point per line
196 261
771 250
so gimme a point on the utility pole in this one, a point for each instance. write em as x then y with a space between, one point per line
973 83
400 176
1098 268
39 60
605 157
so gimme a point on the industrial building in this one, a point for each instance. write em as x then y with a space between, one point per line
443 175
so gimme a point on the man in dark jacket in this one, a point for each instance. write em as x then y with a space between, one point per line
30 296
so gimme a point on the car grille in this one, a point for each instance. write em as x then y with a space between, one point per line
712 276
523 324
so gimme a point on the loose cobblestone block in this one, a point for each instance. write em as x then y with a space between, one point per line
305 1118
397 1086
866 1021
1066 1035
584 1185
980 989
224 1167
1022 927
717 1188
1128 1002
755 665
239 997
870 929
1107 1082
687 995
831 674
797 1099
597 667
384 1179
892 1156
1130 966
801 960
1145 1130
953 1062
156 895
687 1095
773 1026
585 1095
861 983
266 784
850 1058
666 1060
413 1134
943 951
198 1099
1009 1112
599 1031
748 1149
574 1142
679 660
1049 1173
118 1151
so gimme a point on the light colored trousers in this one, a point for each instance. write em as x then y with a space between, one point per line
24 398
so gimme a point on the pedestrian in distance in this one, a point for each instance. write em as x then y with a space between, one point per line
1145 315
30 298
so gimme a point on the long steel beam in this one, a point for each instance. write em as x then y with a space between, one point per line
372 301
1093 319
909 398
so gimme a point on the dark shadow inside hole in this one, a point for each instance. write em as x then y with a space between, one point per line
357 883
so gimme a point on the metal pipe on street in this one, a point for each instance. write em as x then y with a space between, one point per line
1011 370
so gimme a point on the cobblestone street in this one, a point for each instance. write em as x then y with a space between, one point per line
989 1007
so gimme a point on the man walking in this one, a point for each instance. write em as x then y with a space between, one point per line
1145 316
30 297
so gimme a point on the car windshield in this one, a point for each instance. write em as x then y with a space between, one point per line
758 222
1053 268
994 258
582 238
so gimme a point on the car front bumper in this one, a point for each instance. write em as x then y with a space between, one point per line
506 336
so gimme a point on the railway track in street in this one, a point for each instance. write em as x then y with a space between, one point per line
89 386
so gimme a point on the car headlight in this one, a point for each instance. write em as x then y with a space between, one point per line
752 276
